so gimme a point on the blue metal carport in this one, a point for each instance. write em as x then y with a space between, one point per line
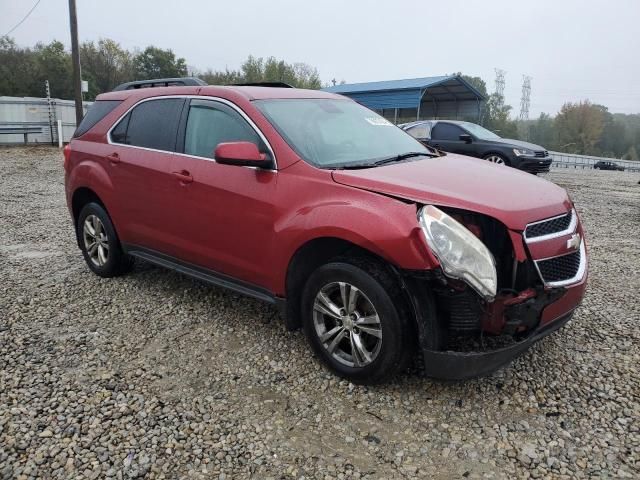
448 96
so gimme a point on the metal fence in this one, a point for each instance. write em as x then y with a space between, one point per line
572 160
23 112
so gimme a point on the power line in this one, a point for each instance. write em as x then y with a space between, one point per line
22 21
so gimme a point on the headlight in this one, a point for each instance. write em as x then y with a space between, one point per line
462 255
523 151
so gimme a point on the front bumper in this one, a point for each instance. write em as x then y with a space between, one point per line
528 318
466 365
533 164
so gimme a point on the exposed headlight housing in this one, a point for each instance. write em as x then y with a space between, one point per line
523 152
461 254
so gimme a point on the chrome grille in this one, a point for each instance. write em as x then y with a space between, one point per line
542 153
561 268
550 226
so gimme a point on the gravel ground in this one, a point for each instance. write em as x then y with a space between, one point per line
154 375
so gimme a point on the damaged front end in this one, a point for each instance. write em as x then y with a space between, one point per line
476 333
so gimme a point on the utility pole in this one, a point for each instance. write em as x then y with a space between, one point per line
75 59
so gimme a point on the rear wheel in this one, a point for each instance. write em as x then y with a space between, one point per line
99 243
352 323
497 159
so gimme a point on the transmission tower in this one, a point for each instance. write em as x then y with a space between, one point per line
500 82
526 98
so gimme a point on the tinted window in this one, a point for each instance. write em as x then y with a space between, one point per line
119 133
152 124
96 112
446 131
210 123
419 131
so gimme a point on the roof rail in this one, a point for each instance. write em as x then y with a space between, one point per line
264 84
162 82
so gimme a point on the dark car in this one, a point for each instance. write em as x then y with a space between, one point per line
473 140
377 247
606 165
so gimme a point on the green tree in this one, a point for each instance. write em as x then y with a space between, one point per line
18 70
53 63
105 65
476 82
497 119
270 69
155 62
542 132
580 126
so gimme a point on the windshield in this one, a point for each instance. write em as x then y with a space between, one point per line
337 133
478 131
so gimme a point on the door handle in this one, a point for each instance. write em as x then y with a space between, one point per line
183 176
114 158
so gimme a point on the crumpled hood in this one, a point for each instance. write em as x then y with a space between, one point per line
513 197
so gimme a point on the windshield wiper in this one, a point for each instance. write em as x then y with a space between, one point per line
383 161
403 156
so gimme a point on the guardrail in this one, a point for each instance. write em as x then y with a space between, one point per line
572 160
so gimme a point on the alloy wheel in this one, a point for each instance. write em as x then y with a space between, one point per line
497 159
96 242
347 324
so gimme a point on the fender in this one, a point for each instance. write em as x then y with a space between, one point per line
382 225
92 175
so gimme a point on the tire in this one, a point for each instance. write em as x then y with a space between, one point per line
99 243
497 159
383 356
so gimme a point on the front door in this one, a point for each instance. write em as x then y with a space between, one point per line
223 215
446 136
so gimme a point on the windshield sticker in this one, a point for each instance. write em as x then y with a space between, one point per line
378 121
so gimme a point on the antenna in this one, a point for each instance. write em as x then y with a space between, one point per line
525 101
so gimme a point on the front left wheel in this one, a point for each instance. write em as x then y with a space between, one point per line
353 319
99 243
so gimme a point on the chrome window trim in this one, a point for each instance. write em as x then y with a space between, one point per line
570 229
201 97
575 279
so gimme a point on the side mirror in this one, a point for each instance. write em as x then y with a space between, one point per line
466 138
242 154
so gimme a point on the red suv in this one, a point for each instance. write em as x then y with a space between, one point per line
379 248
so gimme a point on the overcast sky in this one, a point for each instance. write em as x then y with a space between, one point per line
573 49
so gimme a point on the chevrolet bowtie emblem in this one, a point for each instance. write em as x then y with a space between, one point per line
574 242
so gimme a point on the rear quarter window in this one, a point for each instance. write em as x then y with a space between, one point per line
96 112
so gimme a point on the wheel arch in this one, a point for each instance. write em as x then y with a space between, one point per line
81 196
311 255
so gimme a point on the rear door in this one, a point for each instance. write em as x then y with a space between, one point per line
143 144
222 215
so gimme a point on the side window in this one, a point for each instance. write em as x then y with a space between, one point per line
96 112
419 131
119 133
152 124
210 123
446 131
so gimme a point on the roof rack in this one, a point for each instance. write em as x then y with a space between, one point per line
162 82
264 84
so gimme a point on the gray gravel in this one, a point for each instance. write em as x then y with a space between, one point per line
158 376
